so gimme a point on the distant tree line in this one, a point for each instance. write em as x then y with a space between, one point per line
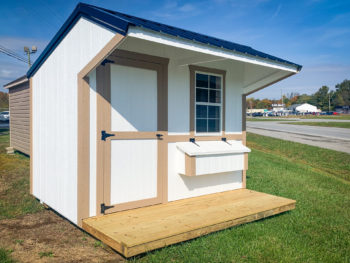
4 100
321 98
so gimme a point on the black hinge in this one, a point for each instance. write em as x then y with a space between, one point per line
105 207
105 135
224 139
193 140
104 62
159 136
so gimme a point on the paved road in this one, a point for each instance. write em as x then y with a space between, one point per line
326 137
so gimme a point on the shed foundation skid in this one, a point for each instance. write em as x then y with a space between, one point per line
141 230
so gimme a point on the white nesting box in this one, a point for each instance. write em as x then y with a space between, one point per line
210 157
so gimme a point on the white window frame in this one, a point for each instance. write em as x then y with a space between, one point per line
208 103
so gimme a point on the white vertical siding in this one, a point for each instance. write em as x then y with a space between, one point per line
133 170
178 102
133 99
93 142
220 163
55 117
181 186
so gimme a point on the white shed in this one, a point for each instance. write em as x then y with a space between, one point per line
129 113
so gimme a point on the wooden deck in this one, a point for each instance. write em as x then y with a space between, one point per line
140 230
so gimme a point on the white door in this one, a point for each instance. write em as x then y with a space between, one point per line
131 167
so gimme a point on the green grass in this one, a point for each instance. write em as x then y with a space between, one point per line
322 124
15 199
48 254
267 119
331 117
5 256
318 230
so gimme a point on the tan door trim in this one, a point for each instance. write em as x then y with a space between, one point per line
103 123
132 59
83 155
193 69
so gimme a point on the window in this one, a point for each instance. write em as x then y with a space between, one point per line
208 106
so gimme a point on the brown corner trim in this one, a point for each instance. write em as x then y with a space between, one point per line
244 112
190 165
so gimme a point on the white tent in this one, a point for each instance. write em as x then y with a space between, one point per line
306 107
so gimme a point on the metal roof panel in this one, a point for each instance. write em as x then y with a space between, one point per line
120 22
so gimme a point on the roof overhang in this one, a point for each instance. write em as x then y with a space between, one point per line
137 27
277 70
169 40
16 82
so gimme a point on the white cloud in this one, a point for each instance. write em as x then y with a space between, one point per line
4 73
174 10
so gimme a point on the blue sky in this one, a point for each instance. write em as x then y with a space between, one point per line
313 33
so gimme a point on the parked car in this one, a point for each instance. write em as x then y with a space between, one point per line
332 113
257 114
5 116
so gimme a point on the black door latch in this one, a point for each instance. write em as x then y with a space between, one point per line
105 135
105 207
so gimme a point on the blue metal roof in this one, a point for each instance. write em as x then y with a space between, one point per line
119 23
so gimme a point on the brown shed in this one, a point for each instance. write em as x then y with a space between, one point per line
19 114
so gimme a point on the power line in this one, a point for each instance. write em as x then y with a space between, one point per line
11 53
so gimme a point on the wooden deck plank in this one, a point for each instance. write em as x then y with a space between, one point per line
139 230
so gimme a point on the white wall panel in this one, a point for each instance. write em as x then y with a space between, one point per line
178 100
181 186
93 141
133 99
219 163
133 170
55 116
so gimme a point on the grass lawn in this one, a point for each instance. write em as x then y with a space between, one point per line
318 230
15 199
267 119
5 256
331 117
322 124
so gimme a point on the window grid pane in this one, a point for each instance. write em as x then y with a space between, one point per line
208 103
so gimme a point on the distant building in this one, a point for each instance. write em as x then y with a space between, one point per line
250 111
304 108
278 107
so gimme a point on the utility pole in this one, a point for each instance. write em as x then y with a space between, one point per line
329 102
281 99
29 51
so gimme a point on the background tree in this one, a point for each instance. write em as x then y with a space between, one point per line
320 99
342 94
4 101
